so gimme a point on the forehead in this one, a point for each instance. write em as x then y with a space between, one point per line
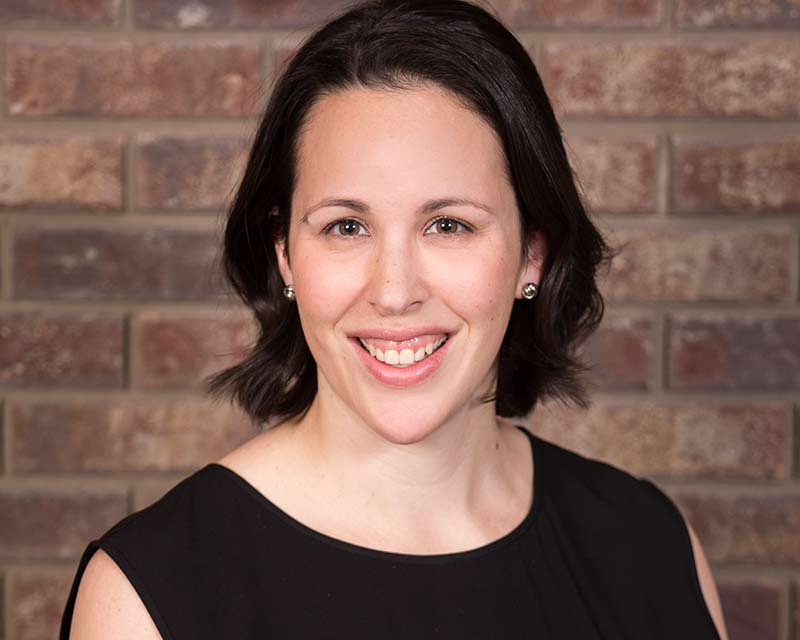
398 143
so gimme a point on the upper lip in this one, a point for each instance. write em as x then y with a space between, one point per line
398 335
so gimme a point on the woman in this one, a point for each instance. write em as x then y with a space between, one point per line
409 236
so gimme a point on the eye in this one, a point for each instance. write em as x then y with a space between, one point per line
346 228
448 226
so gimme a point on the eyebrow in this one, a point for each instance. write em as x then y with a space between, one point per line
428 207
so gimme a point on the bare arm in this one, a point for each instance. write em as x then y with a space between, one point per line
707 583
107 606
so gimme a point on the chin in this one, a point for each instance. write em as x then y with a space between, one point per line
404 431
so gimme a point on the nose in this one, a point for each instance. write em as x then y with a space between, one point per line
394 285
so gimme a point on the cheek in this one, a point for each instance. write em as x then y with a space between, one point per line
325 289
481 284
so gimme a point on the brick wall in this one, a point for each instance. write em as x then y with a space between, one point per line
123 125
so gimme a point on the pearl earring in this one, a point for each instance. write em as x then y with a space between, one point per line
288 292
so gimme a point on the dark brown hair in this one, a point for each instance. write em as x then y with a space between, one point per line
401 44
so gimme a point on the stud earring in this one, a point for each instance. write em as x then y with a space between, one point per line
529 291
288 292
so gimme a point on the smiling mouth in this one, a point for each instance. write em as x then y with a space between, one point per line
405 357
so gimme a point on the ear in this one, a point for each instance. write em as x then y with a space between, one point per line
531 270
283 262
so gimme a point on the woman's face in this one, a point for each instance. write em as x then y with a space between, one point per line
392 256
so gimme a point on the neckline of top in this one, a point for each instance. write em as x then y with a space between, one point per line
397 557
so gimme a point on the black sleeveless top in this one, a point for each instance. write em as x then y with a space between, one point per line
600 554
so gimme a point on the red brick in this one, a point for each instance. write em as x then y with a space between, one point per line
152 489
85 78
188 173
178 350
667 78
621 352
617 176
701 14
755 528
54 524
741 175
2 608
2 448
753 609
167 14
216 14
719 351
52 13
129 435
61 349
39 600
579 13
724 265
61 172
694 441
115 264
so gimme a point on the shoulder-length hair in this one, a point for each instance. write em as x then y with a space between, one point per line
402 44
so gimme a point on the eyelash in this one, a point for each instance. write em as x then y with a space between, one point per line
327 230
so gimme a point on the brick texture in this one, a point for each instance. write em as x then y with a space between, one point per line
2 445
55 524
39 600
720 351
663 78
56 13
180 350
720 265
704 14
84 78
124 129
621 353
188 173
115 264
123 436
65 349
753 609
61 173
758 528
147 492
617 176
580 13
168 14
182 14
743 176
692 441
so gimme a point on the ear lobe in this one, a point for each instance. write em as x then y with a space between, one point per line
283 262
537 254
538 248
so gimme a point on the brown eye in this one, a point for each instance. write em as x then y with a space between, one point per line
345 228
448 226
348 227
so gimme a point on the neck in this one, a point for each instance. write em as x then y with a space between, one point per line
466 470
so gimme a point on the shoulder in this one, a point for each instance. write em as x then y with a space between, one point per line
604 497
637 511
707 584
121 585
574 480
107 605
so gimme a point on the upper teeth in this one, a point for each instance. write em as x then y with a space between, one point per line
406 356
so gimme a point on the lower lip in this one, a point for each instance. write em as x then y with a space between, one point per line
405 376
